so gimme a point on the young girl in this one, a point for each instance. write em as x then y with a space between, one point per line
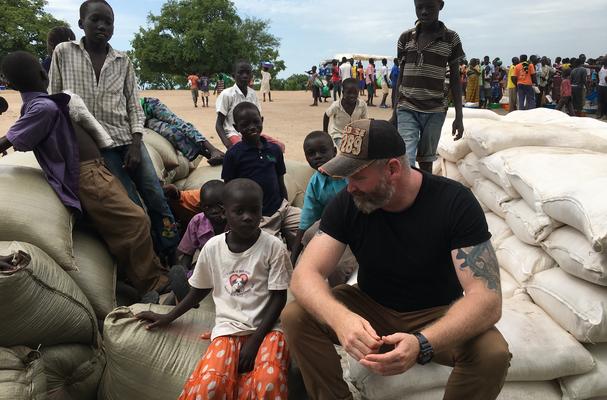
248 272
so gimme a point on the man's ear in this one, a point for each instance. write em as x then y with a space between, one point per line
80 24
442 4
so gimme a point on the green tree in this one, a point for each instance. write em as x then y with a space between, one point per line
24 25
296 82
201 36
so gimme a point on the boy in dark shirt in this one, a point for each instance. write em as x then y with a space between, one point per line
261 161
75 170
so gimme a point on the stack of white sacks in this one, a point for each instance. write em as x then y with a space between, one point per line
539 176
61 336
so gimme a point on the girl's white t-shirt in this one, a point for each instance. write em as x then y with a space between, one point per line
241 282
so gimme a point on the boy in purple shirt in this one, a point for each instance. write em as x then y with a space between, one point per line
75 170
204 225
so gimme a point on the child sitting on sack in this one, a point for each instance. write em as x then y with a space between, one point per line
74 168
319 149
258 159
248 271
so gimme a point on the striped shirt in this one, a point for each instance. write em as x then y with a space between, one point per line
114 101
424 70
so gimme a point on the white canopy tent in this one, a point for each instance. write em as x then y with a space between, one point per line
357 57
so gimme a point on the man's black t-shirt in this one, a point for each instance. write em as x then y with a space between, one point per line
405 257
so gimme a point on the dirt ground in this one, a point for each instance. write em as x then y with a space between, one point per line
288 118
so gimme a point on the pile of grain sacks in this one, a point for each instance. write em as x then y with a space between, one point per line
61 336
539 175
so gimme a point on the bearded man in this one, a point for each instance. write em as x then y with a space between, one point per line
421 242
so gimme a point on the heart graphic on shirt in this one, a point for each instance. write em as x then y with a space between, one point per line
238 281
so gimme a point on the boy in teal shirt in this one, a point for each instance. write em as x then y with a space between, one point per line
318 149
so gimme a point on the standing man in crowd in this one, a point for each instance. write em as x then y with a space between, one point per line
421 241
425 51
524 78
579 76
266 77
385 82
345 70
193 81
335 80
511 86
394 79
602 112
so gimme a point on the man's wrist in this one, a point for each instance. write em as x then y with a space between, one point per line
137 136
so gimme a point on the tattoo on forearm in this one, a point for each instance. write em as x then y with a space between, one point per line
483 264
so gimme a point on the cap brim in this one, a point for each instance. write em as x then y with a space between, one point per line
342 166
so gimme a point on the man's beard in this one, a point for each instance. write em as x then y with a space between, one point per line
378 198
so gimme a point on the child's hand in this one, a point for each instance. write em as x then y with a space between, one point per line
157 320
248 353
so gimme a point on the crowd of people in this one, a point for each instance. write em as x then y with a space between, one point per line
419 241
330 77
535 81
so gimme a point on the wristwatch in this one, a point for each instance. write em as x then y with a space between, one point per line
426 352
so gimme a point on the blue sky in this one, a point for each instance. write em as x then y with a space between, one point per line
311 30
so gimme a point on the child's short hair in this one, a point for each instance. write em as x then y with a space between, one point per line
350 81
240 185
241 61
22 70
3 105
212 186
84 7
241 107
319 135
59 34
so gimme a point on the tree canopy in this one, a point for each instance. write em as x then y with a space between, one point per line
24 25
200 36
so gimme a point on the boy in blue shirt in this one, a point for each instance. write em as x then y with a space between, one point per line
319 149
261 161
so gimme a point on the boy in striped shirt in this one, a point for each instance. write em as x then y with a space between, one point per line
424 53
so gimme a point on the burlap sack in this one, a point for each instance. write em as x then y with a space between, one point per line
521 260
96 275
152 365
73 371
31 212
163 147
41 304
590 385
21 374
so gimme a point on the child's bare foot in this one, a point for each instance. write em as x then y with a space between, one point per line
206 335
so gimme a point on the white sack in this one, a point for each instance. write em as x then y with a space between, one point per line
498 228
31 212
510 287
528 226
510 391
81 115
451 171
492 168
505 135
454 150
521 260
491 195
468 167
574 254
20 159
592 384
576 305
540 115
567 190
557 354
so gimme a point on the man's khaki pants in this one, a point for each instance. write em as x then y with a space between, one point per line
122 224
512 99
480 364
